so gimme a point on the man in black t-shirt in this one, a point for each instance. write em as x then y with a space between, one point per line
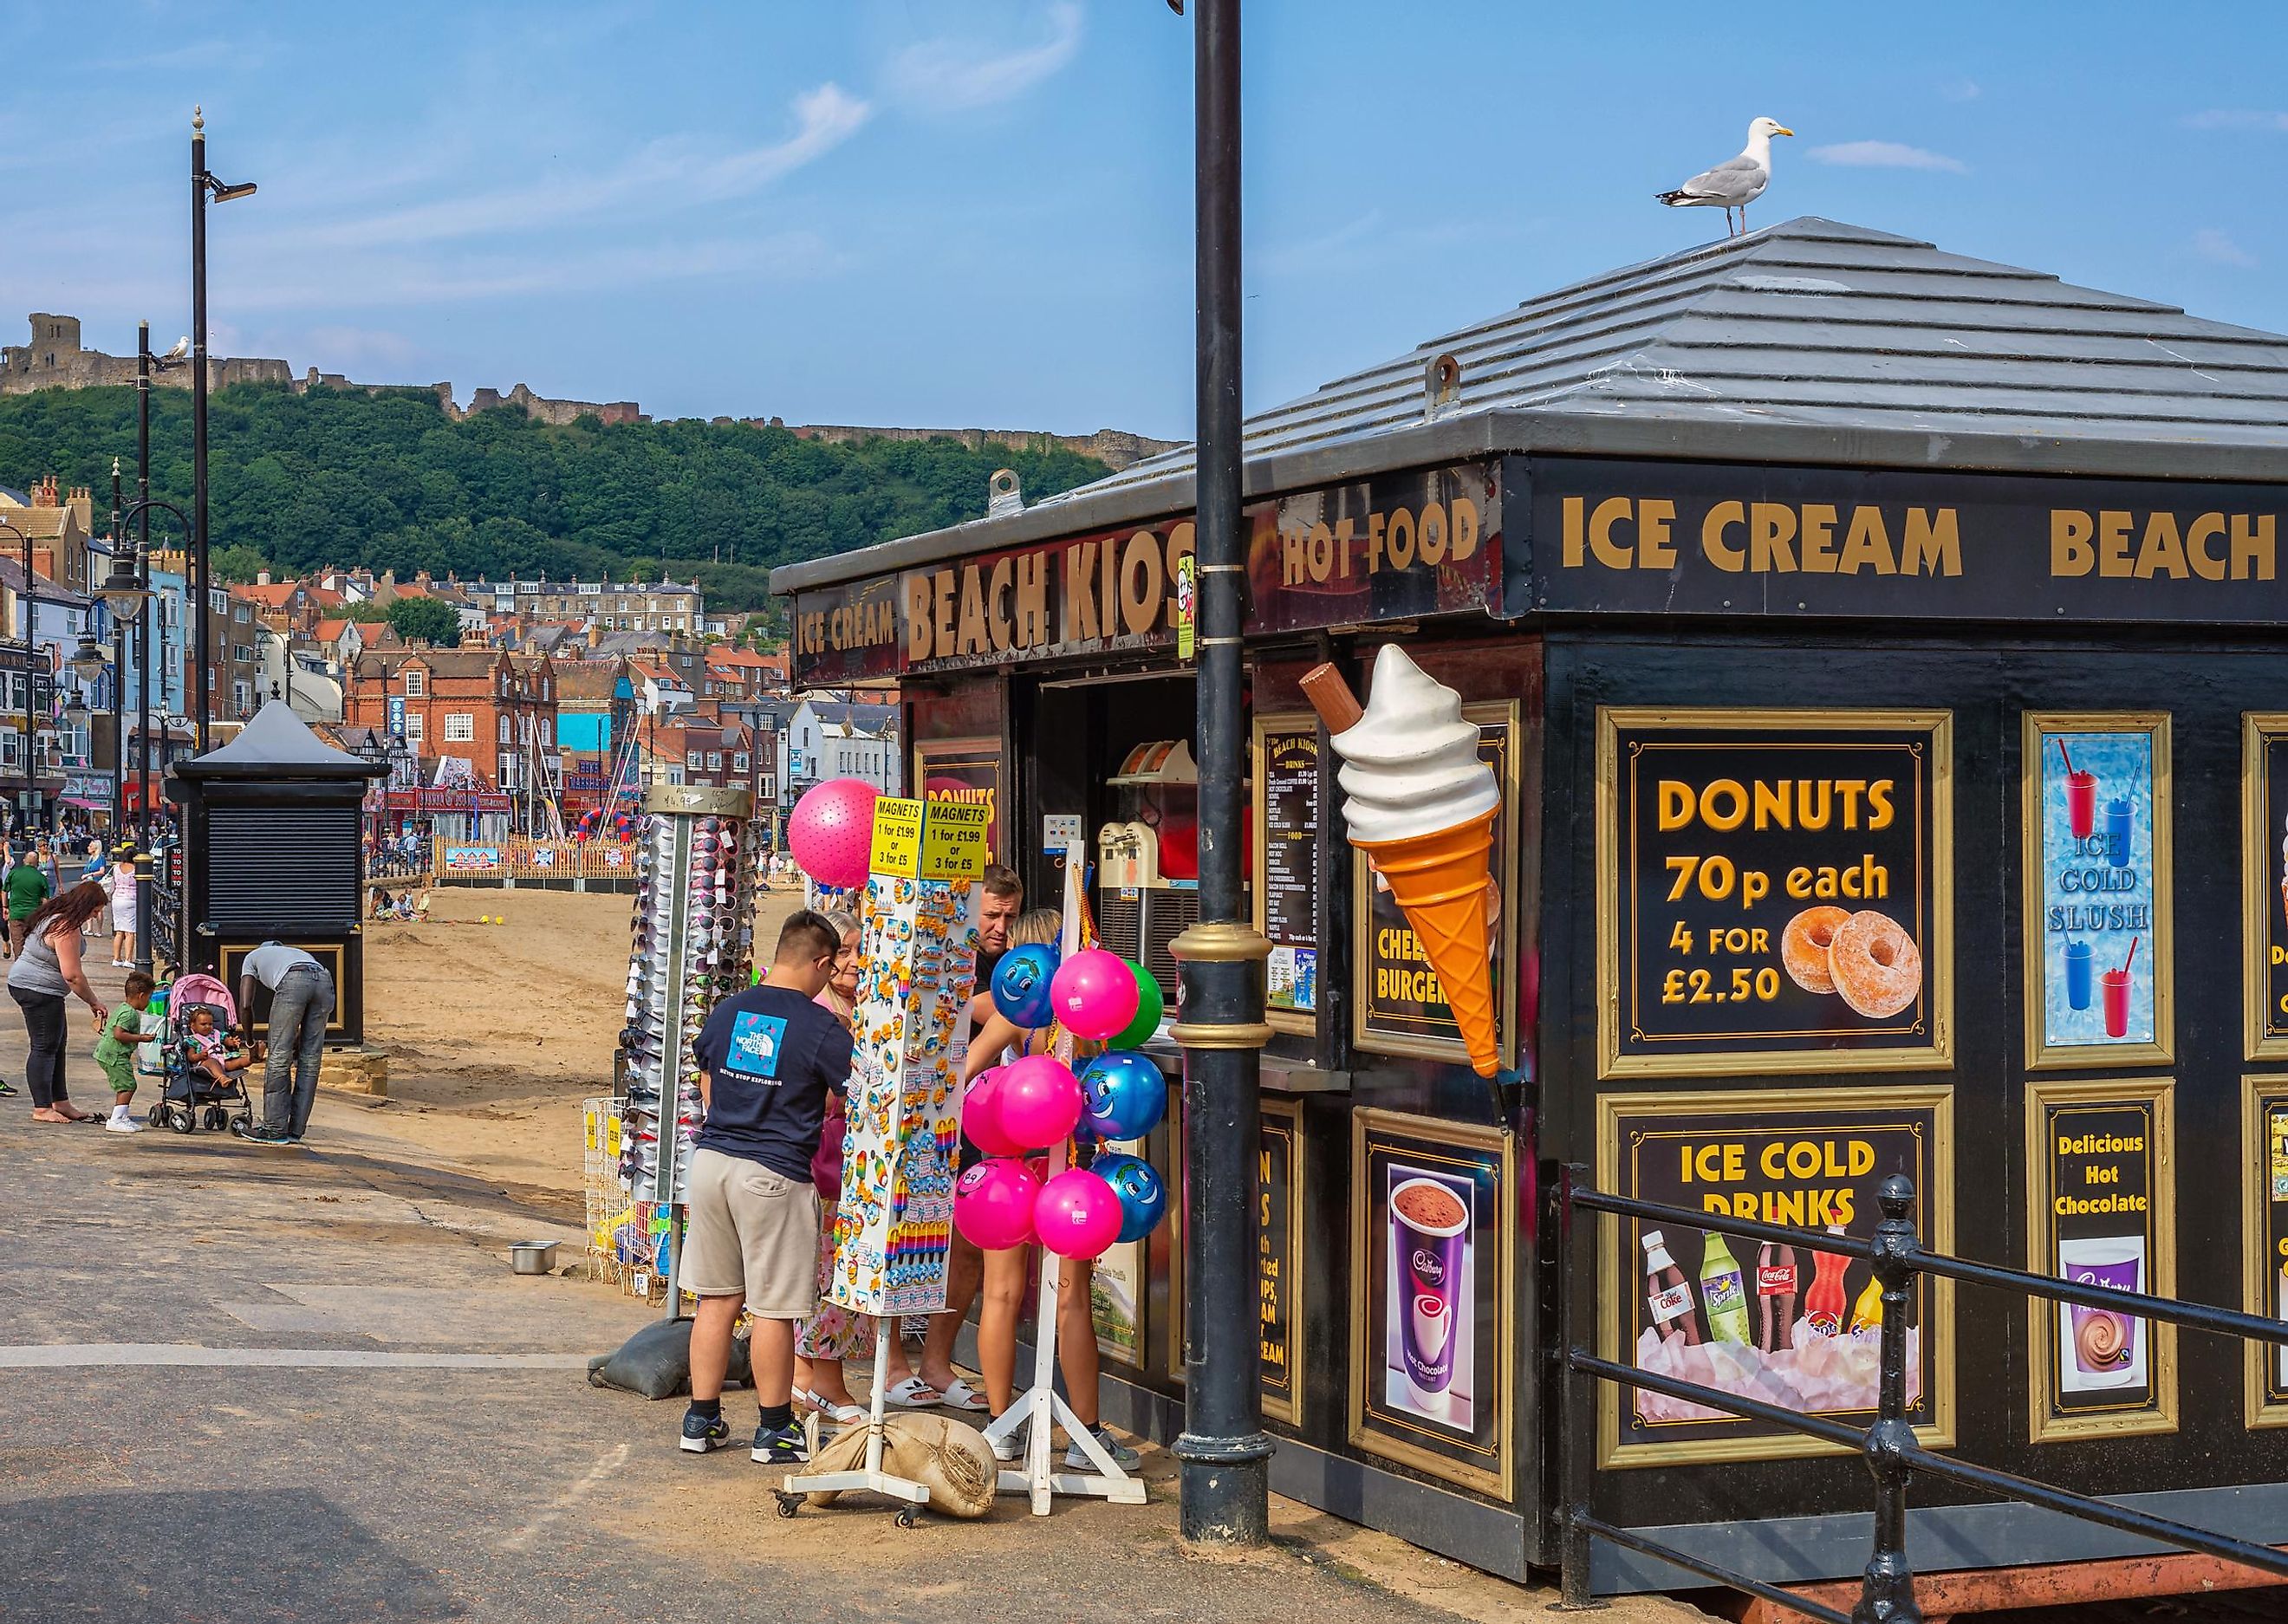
768 1057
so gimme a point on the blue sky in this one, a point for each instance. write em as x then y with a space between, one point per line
913 212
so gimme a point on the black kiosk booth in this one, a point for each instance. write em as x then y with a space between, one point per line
272 824
1879 650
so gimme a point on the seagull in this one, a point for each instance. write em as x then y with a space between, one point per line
1734 183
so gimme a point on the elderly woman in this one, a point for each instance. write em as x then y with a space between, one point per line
45 975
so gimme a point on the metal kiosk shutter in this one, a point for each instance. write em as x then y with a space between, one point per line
283 871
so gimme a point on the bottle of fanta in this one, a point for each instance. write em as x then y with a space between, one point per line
1824 1305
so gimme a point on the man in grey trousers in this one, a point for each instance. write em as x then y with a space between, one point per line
301 1002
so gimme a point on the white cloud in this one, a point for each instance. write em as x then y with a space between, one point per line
944 75
2239 118
1962 89
1887 156
2219 249
664 176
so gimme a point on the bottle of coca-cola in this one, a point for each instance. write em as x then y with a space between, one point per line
1779 1281
1667 1292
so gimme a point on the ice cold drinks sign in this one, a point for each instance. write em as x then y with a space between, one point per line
1773 891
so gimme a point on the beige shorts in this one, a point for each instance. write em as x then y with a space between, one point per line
752 1233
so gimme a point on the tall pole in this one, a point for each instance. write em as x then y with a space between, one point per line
1224 1456
195 572
118 683
31 602
150 607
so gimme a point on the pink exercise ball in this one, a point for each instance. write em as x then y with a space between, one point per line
993 1204
831 831
980 1117
1095 995
1076 1214
1038 1101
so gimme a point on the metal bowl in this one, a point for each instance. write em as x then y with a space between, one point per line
533 1257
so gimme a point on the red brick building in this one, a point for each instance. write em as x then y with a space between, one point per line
495 711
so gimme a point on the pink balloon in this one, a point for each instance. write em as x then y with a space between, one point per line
831 831
1077 1215
980 1117
1094 992
1038 1102
993 1204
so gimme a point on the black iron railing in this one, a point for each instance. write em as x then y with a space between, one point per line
1893 1454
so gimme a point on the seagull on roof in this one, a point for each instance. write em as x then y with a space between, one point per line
1734 183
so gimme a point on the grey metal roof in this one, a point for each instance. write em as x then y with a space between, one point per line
276 742
1809 341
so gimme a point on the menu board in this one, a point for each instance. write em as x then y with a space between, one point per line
2264 882
1774 891
2097 929
1288 885
2264 1244
1398 1007
2100 1214
1433 1230
1279 1257
1787 1325
966 771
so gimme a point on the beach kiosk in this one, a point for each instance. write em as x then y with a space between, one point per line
1877 651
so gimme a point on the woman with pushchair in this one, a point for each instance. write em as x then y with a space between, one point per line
44 976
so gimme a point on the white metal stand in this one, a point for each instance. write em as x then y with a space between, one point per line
1039 1406
870 1476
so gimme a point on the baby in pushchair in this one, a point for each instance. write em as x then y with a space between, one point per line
201 1057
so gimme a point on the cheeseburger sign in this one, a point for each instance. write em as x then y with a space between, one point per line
1399 547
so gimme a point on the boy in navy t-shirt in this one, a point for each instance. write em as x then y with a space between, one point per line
768 1057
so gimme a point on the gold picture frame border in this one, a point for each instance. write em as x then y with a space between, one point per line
1511 714
1293 1022
967 750
1938 1055
1365 1120
1937 1235
2257 728
2159 1094
1290 1409
2256 1263
2034 730
230 960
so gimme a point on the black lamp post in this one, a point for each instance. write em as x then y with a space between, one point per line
127 589
1223 1456
145 364
203 186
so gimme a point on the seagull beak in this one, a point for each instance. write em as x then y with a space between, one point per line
1783 129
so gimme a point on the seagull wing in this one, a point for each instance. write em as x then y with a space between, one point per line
1731 182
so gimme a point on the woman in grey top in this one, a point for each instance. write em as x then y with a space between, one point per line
44 975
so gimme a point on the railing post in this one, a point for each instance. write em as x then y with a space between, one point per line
1887 1594
1577 1439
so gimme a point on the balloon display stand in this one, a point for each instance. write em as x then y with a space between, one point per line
1040 1409
870 1477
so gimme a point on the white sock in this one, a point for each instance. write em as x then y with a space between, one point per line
119 1111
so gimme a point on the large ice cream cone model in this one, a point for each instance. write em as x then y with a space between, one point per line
1421 804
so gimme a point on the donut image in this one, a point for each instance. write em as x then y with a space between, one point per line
1877 968
2102 1340
1803 947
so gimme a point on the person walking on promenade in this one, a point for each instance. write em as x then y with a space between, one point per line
47 973
28 890
301 1003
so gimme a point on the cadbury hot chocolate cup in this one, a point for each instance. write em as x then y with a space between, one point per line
1431 1227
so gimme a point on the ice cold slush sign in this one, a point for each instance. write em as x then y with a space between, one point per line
1790 1325
1773 891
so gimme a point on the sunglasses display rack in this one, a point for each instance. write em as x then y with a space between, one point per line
692 943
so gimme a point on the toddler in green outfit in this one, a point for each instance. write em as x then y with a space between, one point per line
115 1050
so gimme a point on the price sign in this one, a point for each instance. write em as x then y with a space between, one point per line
897 838
954 840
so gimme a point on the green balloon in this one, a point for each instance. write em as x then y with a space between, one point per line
1149 1007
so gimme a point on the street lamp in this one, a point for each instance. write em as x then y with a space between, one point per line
145 364
203 186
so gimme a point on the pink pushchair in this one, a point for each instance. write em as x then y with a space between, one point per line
191 1096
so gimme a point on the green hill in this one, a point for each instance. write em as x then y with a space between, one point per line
388 480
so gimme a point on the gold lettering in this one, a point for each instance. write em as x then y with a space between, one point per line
1655 548
2071 553
2208 527
942 614
1430 535
973 611
1079 602
1933 546
1721 553
918 615
1771 525
1818 539
2252 546
1867 544
1141 590
2112 542
1032 600
1319 552
1465 515
2163 552
1610 553
1401 552
996 605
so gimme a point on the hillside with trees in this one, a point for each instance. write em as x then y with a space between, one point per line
391 482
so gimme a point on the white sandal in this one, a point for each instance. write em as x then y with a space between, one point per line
913 1393
961 1396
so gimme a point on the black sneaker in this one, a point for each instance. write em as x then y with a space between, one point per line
781 1446
254 1133
7 1087
702 1433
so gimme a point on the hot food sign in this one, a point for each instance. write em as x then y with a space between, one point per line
1397 547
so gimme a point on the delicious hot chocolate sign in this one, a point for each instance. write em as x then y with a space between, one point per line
1775 890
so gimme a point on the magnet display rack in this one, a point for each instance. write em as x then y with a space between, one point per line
692 943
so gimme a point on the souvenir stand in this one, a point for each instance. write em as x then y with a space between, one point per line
1873 649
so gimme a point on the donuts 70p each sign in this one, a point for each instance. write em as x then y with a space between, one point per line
1774 891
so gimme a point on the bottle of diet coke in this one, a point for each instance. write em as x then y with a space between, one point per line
1666 1291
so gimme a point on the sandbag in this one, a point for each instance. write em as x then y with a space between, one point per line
948 1458
655 1362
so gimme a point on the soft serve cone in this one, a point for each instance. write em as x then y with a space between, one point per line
1421 806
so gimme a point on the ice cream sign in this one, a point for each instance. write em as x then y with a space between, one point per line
1773 891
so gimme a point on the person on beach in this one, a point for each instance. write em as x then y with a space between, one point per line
833 1333
115 1050
46 974
768 1057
